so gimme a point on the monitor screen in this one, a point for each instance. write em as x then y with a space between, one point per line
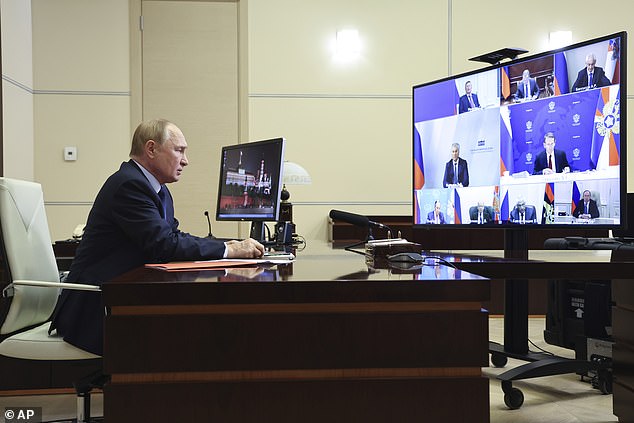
539 140
250 181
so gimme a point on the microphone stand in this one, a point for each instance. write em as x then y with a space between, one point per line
370 237
209 235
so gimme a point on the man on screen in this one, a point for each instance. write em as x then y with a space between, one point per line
523 214
586 207
591 76
480 214
527 88
551 160
456 169
436 217
469 101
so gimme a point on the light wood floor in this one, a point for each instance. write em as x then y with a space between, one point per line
552 399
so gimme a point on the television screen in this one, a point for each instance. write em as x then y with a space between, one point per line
250 181
538 140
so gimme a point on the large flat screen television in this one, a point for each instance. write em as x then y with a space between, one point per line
250 183
535 141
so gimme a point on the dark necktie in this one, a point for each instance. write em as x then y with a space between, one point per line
163 197
526 90
550 161
590 79
455 172
586 212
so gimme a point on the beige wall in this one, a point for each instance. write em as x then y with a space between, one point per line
350 126
17 89
82 95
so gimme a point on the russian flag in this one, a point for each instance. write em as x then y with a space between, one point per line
506 142
504 211
548 213
496 203
613 61
506 82
561 74
457 209
416 209
419 168
576 196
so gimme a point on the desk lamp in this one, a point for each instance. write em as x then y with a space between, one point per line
294 174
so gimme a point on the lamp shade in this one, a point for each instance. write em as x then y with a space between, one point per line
295 174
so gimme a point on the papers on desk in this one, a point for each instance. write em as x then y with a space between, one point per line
221 264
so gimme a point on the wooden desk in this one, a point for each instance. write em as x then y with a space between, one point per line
322 339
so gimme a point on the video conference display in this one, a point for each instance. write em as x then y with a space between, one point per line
250 181
539 140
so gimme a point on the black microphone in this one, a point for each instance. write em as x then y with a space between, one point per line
209 235
355 219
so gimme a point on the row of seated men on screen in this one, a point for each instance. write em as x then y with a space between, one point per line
591 76
522 213
547 162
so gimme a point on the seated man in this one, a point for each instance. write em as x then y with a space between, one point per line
469 101
456 169
436 216
551 160
586 207
523 214
132 223
591 76
527 88
480 214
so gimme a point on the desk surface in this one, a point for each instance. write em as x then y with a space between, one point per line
322 339
318 274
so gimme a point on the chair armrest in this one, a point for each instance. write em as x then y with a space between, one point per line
8 290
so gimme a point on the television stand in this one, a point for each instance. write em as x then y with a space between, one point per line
516 335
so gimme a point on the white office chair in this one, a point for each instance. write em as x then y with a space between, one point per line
34 284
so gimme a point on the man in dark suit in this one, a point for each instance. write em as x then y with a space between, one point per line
436 216
586 207
456 169
527 88
550 160
469 101
523 214
591 76
480 214
130 224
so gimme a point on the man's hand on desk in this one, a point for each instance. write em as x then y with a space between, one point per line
248 248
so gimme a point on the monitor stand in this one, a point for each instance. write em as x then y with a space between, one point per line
516 335
258 231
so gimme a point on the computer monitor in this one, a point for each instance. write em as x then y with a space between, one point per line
251 183
522 143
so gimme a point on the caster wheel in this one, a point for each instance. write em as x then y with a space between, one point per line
514 399
499 360
605 385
